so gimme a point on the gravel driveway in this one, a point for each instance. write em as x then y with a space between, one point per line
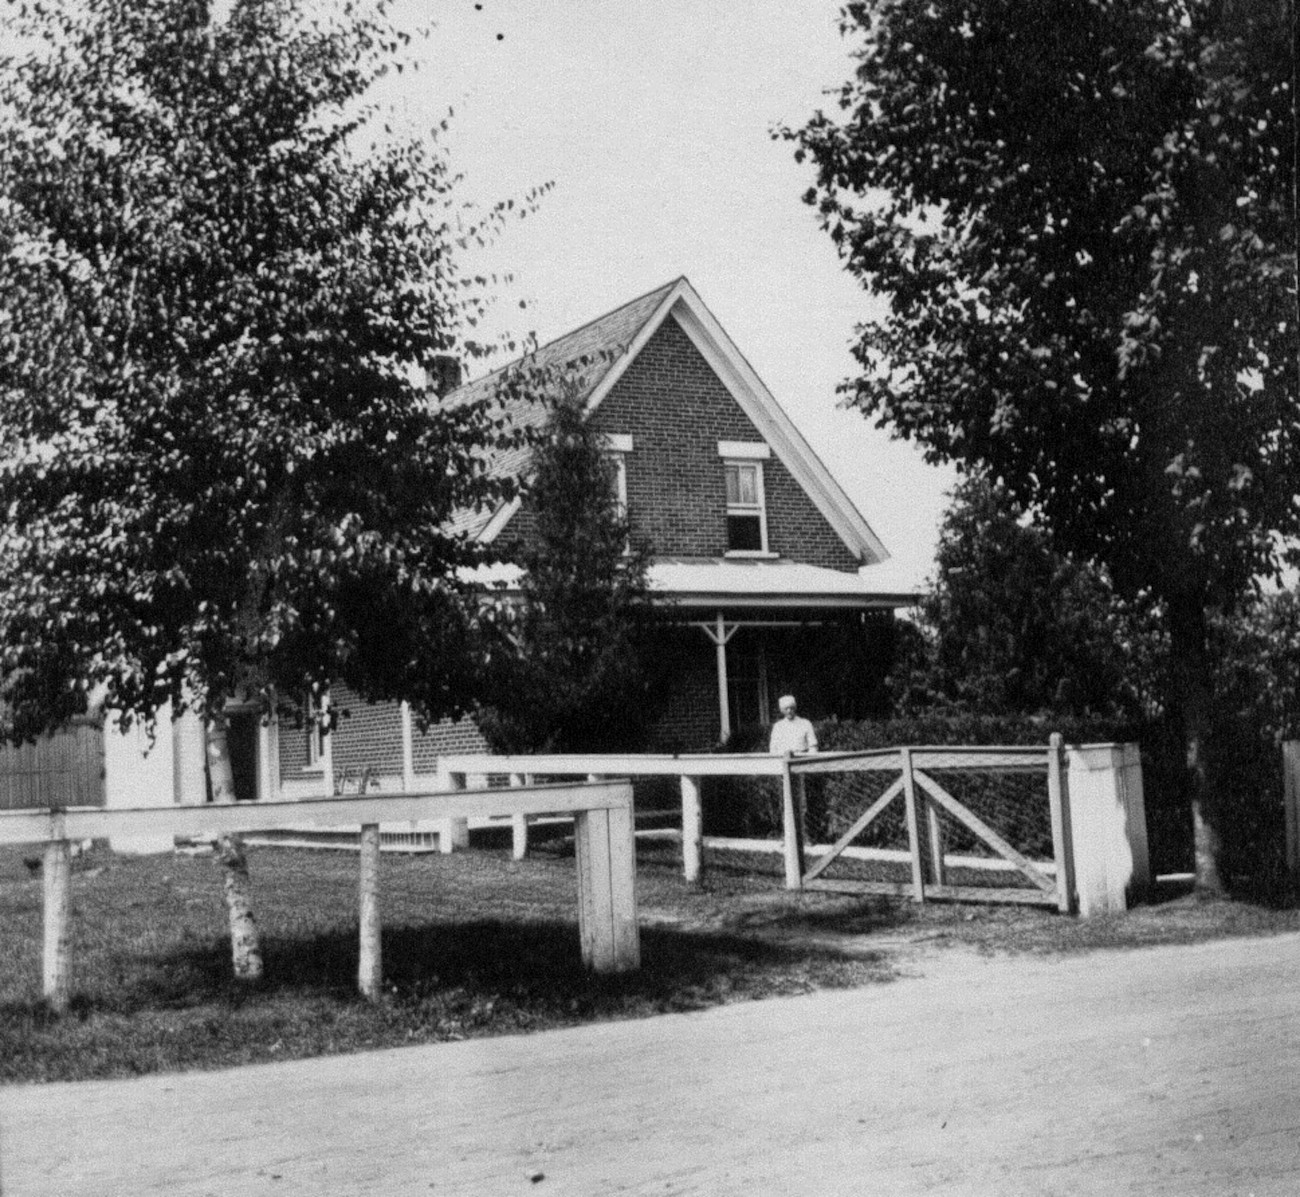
1172 1070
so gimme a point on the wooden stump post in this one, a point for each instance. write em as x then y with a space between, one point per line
692 830
792 830
370 965
56 961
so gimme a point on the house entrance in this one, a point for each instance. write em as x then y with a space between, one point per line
242 737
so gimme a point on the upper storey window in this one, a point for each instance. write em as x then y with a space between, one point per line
746 508
617 447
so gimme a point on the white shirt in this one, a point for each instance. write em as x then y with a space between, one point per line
792 735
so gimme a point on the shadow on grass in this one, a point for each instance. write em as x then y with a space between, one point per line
533 966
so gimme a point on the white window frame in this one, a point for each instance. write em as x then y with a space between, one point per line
617 446
759 507
619 462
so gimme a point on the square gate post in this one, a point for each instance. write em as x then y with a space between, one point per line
1107 827
606 858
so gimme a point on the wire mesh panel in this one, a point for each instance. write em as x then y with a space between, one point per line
982 822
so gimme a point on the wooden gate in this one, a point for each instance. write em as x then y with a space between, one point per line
952 844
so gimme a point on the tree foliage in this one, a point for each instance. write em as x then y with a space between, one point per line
1011 626
575 674
221 278
1082 220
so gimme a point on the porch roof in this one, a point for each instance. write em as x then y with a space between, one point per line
747 582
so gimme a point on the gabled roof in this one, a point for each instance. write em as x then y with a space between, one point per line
611 343
601 342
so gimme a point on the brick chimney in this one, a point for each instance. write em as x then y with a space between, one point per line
444 373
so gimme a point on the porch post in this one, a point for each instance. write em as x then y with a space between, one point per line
724 704
408 747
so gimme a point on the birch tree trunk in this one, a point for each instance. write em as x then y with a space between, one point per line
245 938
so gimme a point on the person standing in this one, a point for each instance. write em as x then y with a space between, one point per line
791 733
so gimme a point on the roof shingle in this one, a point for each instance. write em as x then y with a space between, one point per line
598 344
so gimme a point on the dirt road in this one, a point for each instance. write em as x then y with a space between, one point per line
1170 1071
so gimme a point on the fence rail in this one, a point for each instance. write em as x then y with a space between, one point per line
602 812
1081 831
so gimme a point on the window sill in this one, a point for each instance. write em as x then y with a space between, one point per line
752 554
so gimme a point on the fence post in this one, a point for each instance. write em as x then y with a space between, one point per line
56 963
370 957
1058 797
452 833
1291 794
692 829
792 830
606 860
1107 826
934 829
913 825
518 824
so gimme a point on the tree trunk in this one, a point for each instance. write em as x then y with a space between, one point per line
1192 696
245 939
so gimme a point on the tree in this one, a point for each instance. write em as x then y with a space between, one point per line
1012 626
574 675
219 474
1081 218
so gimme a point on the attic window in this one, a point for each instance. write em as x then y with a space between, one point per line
746 512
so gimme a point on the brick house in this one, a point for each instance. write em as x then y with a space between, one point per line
775 581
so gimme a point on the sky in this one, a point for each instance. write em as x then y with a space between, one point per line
651 121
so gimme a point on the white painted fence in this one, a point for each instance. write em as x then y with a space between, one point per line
602 814
1095 791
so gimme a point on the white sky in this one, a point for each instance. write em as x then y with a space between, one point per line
652 120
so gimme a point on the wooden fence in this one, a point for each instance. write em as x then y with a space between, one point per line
1091 805
602 813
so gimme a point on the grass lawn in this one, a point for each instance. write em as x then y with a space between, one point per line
474 944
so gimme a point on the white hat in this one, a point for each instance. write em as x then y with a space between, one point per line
786 700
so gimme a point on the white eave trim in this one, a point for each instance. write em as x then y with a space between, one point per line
745 450
500 518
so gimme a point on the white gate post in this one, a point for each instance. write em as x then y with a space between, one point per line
1108 827
692 829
